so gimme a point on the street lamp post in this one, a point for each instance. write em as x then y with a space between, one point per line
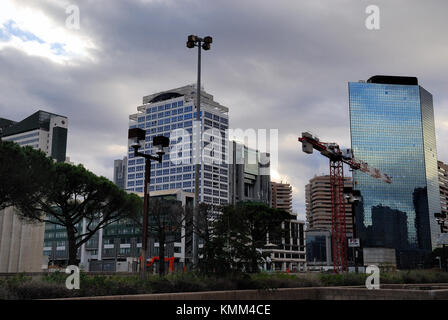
137 138
353 196
440 218
204 43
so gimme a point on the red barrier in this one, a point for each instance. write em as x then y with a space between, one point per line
150 263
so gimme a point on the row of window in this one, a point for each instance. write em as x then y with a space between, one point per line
163 107
25 136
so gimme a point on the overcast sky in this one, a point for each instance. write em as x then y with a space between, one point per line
274 64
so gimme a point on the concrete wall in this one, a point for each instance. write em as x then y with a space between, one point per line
328 293
21 244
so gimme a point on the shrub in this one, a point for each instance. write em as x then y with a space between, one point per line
40 290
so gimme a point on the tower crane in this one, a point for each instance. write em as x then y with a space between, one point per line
337 158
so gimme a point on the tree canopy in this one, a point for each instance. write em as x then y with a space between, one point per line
62 194
23 172
238 233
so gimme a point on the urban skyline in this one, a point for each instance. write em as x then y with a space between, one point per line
106 76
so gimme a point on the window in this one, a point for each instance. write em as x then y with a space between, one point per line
187 176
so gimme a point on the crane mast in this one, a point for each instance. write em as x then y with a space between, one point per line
337 158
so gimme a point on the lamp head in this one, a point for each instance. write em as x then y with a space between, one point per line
192 38
206 46
136 138
160 144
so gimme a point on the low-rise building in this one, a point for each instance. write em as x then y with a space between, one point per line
120 243
287 253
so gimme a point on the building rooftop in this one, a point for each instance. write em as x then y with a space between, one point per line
38 120
189 92
410 81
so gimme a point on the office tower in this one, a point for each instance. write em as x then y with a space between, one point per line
318 204
171 113
249 178
41 130
21 244
120 172
281 196
392 129
443 186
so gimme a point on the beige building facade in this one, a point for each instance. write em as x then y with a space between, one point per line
21 244
318 204
281 196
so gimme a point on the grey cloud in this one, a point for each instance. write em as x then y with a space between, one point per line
275 64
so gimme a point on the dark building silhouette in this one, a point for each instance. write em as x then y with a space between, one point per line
389 228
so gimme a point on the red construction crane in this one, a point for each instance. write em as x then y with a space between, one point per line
337 158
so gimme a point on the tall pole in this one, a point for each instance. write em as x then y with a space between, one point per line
145 218
197 165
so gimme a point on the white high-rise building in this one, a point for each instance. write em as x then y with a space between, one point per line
172 114
42 130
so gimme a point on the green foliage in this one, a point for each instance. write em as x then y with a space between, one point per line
238 232
344 279
72 194
23 173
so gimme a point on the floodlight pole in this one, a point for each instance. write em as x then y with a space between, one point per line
198 163
201 43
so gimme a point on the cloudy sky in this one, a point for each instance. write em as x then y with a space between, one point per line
276 64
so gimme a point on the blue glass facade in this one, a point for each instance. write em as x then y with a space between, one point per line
392 129
173 117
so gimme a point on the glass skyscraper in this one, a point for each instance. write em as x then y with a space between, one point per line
172 114
392 129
